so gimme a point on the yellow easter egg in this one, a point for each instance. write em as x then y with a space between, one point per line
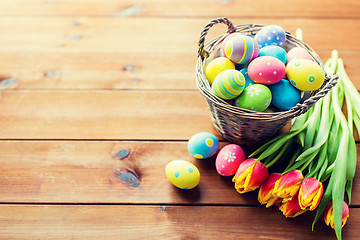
216 66
182 174
305 75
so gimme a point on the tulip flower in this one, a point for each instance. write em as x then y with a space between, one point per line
288 185
329 215
250 175
266 190
310 193
292 208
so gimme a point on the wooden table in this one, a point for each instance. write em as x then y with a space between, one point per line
98 96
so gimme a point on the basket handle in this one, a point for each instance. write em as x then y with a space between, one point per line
202 52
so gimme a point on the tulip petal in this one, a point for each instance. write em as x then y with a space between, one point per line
265 195
288 185
310 193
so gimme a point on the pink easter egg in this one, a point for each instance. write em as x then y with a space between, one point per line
229 159
266 70
298 53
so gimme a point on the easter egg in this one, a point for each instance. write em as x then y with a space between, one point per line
270 35
241 49
230 36
182 174
216 66
228 159
298 53
203 145
228 84
266 70
284 95
248 80
256 97
305 75
274 51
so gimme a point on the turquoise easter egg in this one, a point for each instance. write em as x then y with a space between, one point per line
241 49
203 145
228 84
284 95
248 80
274 51
256 97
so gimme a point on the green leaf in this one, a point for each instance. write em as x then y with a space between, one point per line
348 189
351 158
311 130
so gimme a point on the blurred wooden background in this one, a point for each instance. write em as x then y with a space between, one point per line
97 96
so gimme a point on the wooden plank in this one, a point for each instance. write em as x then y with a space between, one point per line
187 8
93 172
72 69
143 34
162 222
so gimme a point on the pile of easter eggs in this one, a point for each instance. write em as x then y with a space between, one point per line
255 72
203 145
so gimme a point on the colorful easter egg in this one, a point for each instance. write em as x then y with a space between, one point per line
305 75
274 51
230 36
298 53
228 159
270 35
241 49
284 95
228 84
203 145
266 70
248 80
216 66
256 97
182 174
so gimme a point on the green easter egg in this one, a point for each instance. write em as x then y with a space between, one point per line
228 84
256 97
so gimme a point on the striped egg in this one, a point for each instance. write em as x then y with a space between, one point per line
228 84
230 36
241 49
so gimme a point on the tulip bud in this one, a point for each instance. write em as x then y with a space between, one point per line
329 215
266 190
250 175
288 185
310 193
291 208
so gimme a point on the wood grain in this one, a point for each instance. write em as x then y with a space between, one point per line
162 222
176 8
64 69
142 34
93 172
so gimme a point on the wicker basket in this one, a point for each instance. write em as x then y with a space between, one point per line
244 126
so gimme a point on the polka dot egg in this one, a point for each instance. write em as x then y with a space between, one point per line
266 70
203 145
229 159
305 75
270 35
182 174
241 49
256 97
228 84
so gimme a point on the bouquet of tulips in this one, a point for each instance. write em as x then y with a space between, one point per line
319 150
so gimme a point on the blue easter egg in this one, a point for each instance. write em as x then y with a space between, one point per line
284 95
270 35
248 81
274 51
203 145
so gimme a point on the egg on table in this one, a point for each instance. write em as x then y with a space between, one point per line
182 174
256 97
228 159
241 49
305 75
284 95
203 145
228 84
266 70
216 66
270 35
274 51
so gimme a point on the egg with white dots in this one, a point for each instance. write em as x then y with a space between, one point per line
266 70
271 35
182 174
203 145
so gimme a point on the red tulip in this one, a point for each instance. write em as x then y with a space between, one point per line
310 193
291 208
266 190
250 175
288 185
329 215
